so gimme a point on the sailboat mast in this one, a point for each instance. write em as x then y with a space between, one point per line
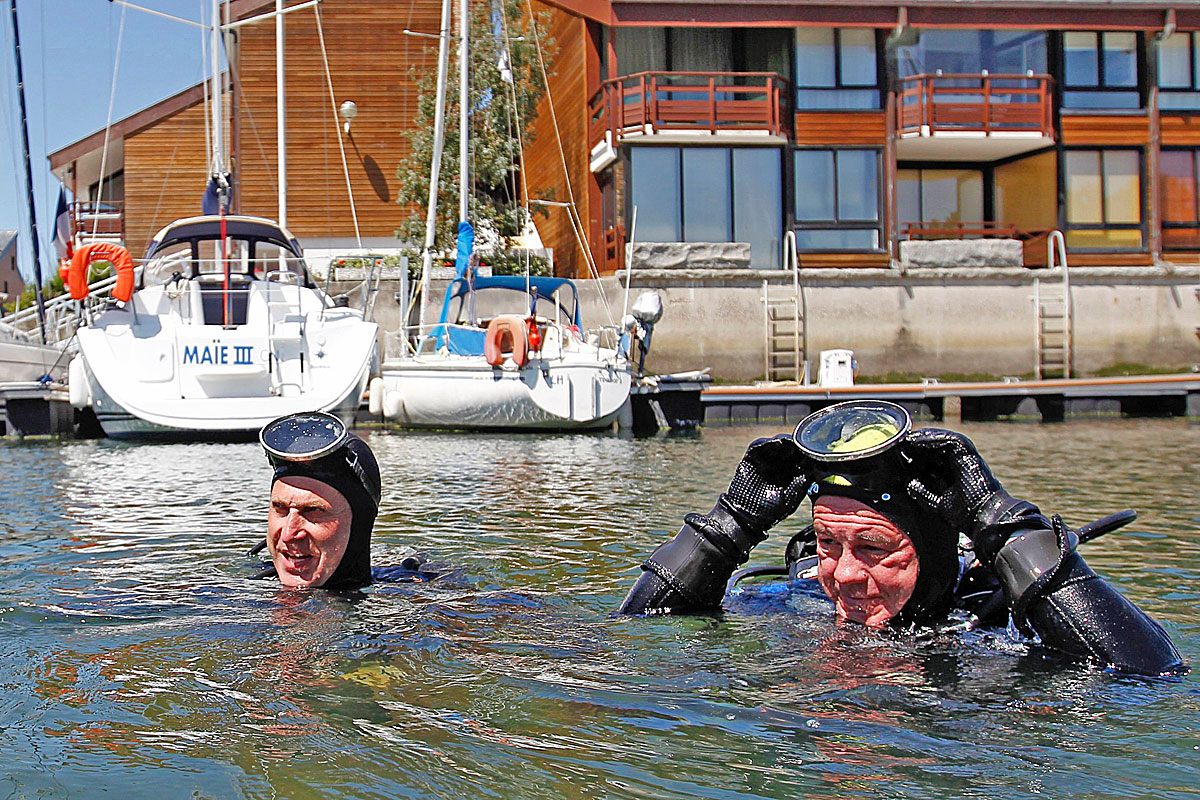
218 159
464 103
435 167
37 256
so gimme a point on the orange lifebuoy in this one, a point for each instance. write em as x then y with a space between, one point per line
101 251
506 332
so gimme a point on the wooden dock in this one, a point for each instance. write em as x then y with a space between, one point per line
33 408
1053 400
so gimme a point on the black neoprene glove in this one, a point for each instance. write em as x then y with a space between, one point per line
689 572
953 481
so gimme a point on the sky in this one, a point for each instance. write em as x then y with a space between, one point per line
70 52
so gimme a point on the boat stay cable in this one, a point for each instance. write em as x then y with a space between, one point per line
112 95
572 208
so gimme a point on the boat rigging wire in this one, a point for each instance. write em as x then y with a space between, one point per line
572 209
112 96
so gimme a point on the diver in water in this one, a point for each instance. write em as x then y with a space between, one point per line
889 505
325 495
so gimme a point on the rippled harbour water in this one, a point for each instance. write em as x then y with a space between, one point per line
138 659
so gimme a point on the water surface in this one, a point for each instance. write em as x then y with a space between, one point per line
138 659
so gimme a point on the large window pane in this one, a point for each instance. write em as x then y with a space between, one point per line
1179 186
701 49
655 193
814 184
815 64
1081 65
951 195
1122 186
641 50
857 57
1175 61
1084 191
1120 59
758 204
908 196
858 185
706 195
972 51
837 239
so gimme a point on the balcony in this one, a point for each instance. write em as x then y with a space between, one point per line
98 221
686 107
973 117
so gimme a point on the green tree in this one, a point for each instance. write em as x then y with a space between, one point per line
501 120
51 288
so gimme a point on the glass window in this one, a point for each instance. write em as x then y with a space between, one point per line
758 204
706 195
836 68
655 193
1179 72
836 199
713 194
972 51
1100 70
1104 199
1180 201
641 50
940 195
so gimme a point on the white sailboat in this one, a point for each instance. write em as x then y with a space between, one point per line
225 329
226 332
518 362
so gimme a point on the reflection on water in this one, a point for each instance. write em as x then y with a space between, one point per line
138 657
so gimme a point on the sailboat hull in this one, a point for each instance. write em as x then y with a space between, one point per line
468 393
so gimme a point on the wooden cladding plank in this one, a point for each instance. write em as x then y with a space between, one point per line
1077 259
543 163
374 64
1180 130
839 128
1105 130
166 171
843 260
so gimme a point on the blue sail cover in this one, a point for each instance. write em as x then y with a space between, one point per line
466 245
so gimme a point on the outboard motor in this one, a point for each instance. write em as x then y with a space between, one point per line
646 311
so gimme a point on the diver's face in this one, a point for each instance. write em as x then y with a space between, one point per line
308 528
867 565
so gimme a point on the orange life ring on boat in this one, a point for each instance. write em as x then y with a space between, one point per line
506 332
101 251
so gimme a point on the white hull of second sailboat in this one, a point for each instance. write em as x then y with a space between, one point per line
25 361
467 393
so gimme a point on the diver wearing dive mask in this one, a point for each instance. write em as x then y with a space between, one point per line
889 505
324 497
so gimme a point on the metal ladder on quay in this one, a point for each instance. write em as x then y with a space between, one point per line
1052 299
785 337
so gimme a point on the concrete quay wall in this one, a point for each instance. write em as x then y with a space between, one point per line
927 322
921 321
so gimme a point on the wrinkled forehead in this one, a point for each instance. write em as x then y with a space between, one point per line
848 514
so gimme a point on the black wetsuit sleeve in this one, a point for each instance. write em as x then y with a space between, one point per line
1075 611
688 574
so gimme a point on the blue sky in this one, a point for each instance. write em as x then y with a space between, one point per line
69 52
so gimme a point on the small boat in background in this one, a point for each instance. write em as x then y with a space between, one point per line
507 353
225 331
22 359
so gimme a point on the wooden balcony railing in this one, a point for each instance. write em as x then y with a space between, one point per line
988 104
102 219
649 102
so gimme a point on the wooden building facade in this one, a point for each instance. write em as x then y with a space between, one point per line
846 127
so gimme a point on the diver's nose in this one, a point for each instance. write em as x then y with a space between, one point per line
849 569
293 526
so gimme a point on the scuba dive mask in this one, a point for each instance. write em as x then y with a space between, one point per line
311 441
853 443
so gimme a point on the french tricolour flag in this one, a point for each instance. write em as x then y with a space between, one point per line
62 227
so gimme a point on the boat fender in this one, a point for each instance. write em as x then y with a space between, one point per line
506 332
392 404
78 391
375 402
101 251
535 336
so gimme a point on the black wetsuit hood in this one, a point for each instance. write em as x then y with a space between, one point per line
936 544
354 472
